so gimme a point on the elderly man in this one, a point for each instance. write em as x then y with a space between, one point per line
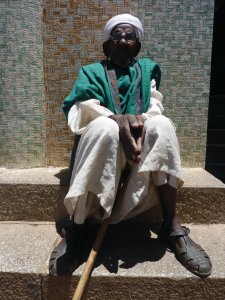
116 109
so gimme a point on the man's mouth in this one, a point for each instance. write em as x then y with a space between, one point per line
123 51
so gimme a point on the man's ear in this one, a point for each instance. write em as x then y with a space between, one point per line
105 48
138 48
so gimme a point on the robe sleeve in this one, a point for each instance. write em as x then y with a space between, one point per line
87 86
155 106
83 112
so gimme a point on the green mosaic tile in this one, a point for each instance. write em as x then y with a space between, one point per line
72 34
44 44
22 96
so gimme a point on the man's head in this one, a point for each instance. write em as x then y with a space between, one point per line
122 36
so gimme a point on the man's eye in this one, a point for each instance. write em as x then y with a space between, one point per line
117 36
127 36
130 36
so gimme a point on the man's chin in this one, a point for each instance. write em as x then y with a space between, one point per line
123 61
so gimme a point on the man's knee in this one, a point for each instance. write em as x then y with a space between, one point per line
105 127
159 123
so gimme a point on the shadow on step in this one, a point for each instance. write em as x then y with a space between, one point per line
124 246
64 177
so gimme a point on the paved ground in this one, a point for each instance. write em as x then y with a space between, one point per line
128 250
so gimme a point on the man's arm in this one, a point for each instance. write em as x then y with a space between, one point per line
155 106
131 127
86 87
83 112
131 130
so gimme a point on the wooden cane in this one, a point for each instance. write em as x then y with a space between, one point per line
82 284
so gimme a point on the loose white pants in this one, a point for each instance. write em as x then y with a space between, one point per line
99 163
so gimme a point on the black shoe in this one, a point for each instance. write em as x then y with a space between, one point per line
65 256
192 256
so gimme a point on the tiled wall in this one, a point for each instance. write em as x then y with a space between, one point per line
179 37
72 35
22 114
178 34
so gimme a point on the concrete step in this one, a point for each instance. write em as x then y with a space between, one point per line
131 265
37 195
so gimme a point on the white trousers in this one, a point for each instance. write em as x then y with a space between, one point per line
99 163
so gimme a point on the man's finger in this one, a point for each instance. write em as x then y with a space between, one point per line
128 129
133 122
140 121
139 138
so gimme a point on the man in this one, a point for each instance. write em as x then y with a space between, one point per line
116 109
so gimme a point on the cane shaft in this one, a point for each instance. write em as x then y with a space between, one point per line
90 262
83 282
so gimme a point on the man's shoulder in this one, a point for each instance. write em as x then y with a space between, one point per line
147 61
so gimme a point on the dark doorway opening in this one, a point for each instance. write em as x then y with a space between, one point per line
215 150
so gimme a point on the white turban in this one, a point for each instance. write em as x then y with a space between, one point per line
124 18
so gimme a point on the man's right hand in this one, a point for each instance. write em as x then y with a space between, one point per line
131 129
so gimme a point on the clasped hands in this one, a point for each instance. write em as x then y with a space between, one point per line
132 132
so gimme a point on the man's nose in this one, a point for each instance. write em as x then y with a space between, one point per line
123 39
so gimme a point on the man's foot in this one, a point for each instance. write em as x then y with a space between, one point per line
64 257
188 253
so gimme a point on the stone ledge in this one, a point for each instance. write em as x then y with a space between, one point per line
131 265
134 288
34 176
31 287
193 177
37 195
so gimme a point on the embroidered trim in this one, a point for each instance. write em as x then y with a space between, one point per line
136 90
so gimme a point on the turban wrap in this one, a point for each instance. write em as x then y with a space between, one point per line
124 18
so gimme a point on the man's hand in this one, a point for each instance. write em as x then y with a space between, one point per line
131 129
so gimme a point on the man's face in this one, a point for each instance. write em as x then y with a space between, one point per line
122 45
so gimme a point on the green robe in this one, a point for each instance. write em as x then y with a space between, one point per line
93 83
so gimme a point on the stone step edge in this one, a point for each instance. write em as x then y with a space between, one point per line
193 177
34 286
25 267
201 200
31 243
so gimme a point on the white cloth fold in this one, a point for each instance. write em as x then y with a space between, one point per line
83 112
100 160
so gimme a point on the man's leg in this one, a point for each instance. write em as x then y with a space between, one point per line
161 157
96 171
93 184
64 257
168 196
191 255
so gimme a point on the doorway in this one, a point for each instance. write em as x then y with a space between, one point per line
215 150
